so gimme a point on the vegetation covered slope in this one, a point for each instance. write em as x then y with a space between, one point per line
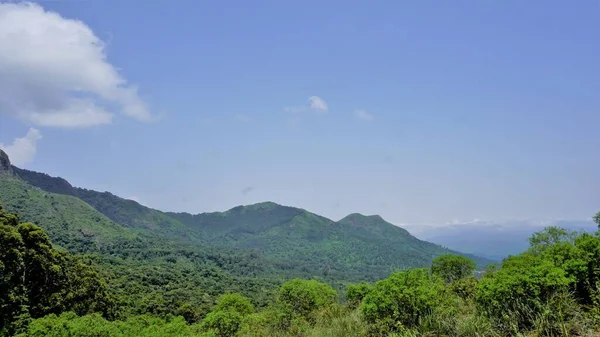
354 248
127 213
362 247
70 222
550 290
147 274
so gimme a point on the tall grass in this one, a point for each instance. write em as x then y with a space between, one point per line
560 316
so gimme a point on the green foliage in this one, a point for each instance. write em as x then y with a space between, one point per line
452 267
355 248
222 323
542 292
226 318
465 288
520 289
36 279
524 290
338 321
149 273
234 303
401 300
303 297
69 324
355 293
549 237
70 222
285 242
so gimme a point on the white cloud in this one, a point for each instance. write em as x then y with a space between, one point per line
22 150
315 103
363 115
78 113
54 71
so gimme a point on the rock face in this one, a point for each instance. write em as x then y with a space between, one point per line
5 166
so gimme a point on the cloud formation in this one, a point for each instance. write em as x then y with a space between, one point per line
315 103
363 115
54 72
22 150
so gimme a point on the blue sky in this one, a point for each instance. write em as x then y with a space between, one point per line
422 111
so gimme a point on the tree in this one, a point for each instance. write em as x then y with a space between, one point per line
356 292
222 323
234 303
597 219
551 236
401 300
36 279
452 267
521 289
303 297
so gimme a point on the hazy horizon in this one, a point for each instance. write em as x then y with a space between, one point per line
425 113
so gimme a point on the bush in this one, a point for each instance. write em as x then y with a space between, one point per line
518 291
69 324
452 267
222 323
465 288
356 292
234 303
401 300
303 297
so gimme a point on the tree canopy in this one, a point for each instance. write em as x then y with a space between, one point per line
37 279
452 267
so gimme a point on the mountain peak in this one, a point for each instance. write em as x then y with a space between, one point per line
264 204
5 165
261 206
357 217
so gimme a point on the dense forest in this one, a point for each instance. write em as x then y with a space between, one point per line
552 289
77 262
348 249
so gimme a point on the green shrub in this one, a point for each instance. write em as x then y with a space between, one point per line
356 292
401 300
234 303
452 267
303 297
465 288
222 323
517 292
70 325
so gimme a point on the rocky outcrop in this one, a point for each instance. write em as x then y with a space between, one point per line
5 167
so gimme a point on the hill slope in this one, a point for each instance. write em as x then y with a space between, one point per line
70 222
355 248
126 212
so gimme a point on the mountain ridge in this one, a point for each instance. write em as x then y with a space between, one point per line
354 247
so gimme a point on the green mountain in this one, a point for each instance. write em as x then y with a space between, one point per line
355 248
127 213
70 222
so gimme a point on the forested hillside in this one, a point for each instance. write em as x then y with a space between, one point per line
355 248
178 264
267 270
549 290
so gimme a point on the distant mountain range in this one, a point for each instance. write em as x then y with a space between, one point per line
496 240
357 247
